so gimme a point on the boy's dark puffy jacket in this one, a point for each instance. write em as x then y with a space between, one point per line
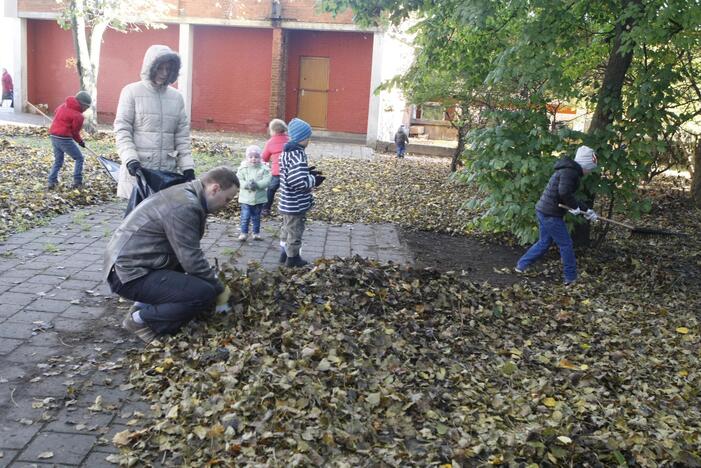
400 138
561 188
68 120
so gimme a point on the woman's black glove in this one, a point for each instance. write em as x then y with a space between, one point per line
133 167
189 174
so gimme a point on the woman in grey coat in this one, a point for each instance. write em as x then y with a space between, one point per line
151 127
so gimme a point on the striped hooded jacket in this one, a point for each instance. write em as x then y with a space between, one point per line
296 183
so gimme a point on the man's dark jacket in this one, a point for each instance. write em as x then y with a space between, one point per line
561 188
163 232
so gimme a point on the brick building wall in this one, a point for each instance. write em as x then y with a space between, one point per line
350 62
51 68
231 78
256 10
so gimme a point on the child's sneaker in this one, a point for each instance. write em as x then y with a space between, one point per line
519 270
257 237
243 237
283 256
265 212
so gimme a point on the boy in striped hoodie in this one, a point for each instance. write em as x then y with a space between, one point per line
297 180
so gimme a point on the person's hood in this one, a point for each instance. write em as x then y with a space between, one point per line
567 163
72 103
156 55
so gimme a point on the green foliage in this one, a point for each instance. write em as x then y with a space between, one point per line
635 64
510 162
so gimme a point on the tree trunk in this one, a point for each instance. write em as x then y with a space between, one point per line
462 136
696 176
85 52
609 103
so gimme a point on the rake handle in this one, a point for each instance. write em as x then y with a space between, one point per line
51 120
608 220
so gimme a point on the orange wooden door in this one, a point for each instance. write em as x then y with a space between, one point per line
313 90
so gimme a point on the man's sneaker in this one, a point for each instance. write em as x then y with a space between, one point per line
283 256
77 185
243 237
141 330
295 262
571 282
265 212
257 237
52 186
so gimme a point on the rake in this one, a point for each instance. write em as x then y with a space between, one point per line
635 229
110 166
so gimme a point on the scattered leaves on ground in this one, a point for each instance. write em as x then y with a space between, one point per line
354 363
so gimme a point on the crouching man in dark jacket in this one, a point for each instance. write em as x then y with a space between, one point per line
560 190
155 258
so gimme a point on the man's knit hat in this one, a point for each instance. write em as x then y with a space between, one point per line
298 130
586 158
84 98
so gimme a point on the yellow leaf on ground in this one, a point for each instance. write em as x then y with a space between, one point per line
550 402
682 330
121 438
564 439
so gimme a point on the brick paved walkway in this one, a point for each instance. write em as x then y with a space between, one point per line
63 379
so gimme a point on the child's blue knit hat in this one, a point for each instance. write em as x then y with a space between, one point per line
298 130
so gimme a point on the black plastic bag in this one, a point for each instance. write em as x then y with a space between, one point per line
150 181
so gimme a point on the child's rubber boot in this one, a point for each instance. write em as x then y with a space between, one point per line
295 262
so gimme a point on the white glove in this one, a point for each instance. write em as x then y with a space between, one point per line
222 305
576 211
591 215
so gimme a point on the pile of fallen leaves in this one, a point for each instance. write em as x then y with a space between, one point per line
353 363
416 194
24 200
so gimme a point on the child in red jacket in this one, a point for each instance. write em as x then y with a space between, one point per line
68 120
271 155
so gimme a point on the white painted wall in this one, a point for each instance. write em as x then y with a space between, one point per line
10 45
392 55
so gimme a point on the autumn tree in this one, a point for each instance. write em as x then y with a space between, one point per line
89 19
628 60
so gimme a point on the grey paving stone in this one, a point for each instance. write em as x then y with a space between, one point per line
16 298
61 294
80 421
7 457
49 305
31 288
79 284
31 354
7 345
97 460
67 448
15 435
8 310
45 280
30 316
77 311
17 330
50 338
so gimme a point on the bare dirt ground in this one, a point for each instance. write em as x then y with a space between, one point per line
481 260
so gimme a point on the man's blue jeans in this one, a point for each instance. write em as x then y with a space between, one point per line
250 213
66 146
170 298
552 229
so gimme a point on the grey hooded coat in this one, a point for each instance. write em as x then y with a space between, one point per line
151 125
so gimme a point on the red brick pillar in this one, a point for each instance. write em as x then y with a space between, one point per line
278 73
